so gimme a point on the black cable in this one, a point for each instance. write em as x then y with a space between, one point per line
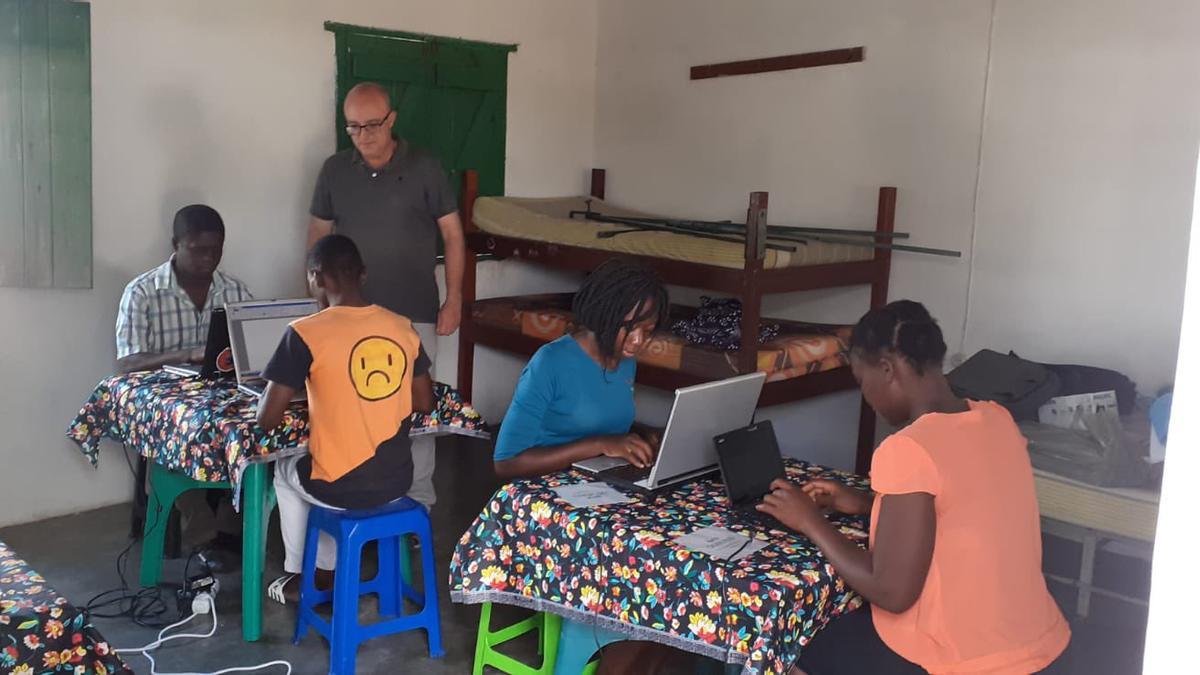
145 606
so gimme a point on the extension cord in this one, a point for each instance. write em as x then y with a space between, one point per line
204 599
202 603
207 598
188 596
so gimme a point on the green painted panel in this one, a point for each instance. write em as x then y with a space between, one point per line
479 146
465 68
336 27
12 188
381 67
414 113
70 144
35 142
448 94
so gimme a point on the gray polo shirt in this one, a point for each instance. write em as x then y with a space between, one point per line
391 214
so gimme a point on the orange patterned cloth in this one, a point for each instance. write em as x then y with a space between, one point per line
800 349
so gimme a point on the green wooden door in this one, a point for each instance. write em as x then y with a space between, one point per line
449 95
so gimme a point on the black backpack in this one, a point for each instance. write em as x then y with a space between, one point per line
1023 386
1019 385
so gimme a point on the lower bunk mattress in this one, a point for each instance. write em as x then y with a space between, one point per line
796 350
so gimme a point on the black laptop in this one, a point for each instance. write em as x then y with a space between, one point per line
750 461
218 360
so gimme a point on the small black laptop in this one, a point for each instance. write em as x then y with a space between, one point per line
218 360
750 461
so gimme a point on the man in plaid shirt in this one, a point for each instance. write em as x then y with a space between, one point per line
163 318
165 312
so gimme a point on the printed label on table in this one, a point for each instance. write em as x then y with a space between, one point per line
582 495
720 543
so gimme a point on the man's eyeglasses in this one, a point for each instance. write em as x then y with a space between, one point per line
355 129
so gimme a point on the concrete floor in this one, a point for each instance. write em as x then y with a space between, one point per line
76 554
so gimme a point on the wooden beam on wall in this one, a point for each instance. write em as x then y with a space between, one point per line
774 63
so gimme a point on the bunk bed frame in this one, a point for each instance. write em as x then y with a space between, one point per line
748 285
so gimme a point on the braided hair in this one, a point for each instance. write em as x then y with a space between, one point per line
904 328
613 290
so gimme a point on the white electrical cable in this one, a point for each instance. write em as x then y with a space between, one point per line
162 640
242 669
212 609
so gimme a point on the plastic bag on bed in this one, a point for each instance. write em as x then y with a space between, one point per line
1094 450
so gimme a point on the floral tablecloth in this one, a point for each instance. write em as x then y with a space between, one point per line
618 567
40 632
206 429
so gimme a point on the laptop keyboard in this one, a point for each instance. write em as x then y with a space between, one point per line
748 512
627 472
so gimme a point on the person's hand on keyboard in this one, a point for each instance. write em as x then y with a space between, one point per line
788 503
629 447
831 494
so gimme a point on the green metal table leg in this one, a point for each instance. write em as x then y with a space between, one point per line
254 537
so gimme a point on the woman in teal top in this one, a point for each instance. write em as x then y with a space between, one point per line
575 397
574 401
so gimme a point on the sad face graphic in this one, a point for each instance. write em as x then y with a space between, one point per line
377 367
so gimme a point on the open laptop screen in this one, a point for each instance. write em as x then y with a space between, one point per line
255 329
750 461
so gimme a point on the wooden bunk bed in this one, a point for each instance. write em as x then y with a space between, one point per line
748 284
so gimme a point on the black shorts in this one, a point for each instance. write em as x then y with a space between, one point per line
849 645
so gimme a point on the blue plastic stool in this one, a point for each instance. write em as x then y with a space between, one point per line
577 643
352 530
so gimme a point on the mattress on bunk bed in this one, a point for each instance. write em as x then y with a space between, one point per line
800 349
547 220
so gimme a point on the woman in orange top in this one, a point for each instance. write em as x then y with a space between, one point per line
953 573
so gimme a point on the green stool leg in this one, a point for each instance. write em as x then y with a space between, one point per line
258 498
548 627
551 632
165 488
481 641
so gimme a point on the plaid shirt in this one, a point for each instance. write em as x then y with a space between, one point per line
157 315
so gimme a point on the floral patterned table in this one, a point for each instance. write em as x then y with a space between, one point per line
207 431
618 567
40 632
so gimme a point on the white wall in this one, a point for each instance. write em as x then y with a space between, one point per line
1087 153
1085 195
821 141
1055 140
1170 634
231 103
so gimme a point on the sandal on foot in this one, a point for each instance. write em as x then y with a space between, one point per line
275 589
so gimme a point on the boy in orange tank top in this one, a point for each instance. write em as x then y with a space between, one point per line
953 573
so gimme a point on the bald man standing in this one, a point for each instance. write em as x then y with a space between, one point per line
393 200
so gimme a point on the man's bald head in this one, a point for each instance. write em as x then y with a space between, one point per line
369 120
369 92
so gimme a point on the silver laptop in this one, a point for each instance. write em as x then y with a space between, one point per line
255 329
699 413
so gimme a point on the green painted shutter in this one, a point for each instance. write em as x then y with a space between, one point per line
45 144
449 95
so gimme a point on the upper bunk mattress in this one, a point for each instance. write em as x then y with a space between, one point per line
548 220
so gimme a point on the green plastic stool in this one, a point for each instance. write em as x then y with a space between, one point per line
549 628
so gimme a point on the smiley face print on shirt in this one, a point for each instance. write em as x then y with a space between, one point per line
377 367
